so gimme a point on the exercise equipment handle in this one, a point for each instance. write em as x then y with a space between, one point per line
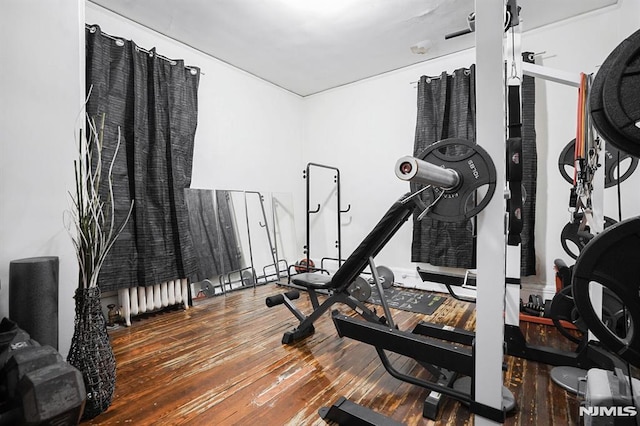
415 170
278 299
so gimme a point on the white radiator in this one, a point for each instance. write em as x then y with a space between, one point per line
138 300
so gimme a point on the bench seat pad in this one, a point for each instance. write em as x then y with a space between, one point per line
312 280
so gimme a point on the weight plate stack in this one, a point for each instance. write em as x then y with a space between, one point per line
614 102
611 260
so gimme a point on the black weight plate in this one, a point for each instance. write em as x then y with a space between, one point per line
247 278
611 259
608 222
360 289
621 95
563 309
566 159
208 289
566 164
614 313
476 171
596 104
386 276
612 156
571 234
572 241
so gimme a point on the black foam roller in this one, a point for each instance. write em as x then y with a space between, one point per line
33 297
272 301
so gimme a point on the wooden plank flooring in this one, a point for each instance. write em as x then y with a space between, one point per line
222 363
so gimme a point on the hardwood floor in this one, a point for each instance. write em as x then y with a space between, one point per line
222 363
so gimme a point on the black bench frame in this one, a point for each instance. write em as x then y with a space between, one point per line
337 284
444 359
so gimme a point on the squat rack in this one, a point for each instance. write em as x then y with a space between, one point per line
307 176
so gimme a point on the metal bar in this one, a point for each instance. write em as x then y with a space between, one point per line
444 332
383 299
487 377
294 310
415 170
432 386
266 226
339 208
442 354
275 239
246 215
339 212
345 412
445 278
586 356
550 74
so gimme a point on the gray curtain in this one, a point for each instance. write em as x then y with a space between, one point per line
152 102
446 109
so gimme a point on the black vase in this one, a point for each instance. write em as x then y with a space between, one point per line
91 352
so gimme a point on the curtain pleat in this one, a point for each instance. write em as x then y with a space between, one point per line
446 109
153 104
109 87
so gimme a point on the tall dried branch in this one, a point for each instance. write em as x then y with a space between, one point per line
91 220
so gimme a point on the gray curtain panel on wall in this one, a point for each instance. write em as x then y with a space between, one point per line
152 104
446 109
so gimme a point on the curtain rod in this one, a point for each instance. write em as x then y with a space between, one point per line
439 76
120 42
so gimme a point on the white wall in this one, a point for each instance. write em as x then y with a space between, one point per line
363 128
41 88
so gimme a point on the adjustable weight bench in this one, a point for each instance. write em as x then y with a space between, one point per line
337 284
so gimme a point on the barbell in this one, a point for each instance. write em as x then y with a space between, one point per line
451 180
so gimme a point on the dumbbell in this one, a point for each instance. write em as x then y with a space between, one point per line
12 338
54 394
23 361
43 388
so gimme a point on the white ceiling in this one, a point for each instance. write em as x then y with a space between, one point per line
308 46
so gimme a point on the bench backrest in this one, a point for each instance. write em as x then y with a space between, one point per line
384 230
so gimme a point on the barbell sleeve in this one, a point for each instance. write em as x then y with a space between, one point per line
418 171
